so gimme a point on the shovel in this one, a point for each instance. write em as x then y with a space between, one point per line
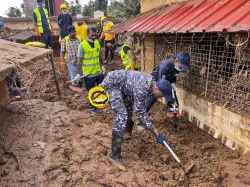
188 165
77 79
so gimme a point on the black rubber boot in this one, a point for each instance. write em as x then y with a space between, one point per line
114 157
129 126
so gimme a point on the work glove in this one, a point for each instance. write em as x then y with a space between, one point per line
77 77
62 62
160 138
37 31
52 30
103 69
27 94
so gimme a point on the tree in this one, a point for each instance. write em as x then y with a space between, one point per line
94 5
124 8
13 12
74 7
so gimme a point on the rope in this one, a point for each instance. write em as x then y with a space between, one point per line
237 45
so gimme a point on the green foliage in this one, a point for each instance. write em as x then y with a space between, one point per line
74 7
94 5
124 8
13 12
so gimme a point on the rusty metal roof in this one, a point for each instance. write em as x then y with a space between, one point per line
192 16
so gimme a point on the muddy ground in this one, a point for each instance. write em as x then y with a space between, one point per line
46 141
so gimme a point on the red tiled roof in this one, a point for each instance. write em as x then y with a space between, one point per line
192 16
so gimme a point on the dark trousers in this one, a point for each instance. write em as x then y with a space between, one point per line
107 49
47 38
93 81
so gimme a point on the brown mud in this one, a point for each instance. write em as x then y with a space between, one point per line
50 142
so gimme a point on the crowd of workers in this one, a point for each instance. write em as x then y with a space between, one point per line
81 53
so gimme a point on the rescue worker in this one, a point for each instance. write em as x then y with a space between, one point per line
42 24
90 62
64 21
15 86
2 29
171 68
127 56
69 50
109 38
81 27
124 88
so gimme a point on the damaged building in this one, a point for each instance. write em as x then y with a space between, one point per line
215 94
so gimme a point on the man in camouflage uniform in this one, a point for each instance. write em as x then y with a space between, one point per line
124 88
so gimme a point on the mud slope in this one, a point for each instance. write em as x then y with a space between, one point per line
45 143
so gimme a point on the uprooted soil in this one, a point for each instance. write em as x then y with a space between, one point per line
50 142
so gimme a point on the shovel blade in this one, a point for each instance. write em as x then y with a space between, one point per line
188 165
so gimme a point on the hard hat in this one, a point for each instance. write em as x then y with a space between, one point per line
109 45
98 97
103 18
1 24
63 6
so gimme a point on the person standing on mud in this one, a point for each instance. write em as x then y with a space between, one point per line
170 68
42 24
127 55
69 50
81 27
64 21
124 88
90 62
109 38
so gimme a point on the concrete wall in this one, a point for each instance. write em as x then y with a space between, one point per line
147 60
230 128
29 6
149 4
27 23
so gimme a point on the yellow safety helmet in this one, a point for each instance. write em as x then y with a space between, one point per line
63 6
98 97
35 44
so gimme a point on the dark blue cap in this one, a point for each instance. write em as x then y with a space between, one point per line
184 59
166 89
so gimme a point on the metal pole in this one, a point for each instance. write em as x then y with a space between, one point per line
54 72
208 68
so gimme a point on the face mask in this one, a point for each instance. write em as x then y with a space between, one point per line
64 11
119 52
178 69
43 5
105 23
79 23
90 40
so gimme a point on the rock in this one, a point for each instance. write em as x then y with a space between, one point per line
167 175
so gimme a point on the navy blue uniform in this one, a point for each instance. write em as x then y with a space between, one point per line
167 68
64 20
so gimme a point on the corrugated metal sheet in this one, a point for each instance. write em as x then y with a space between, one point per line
192 16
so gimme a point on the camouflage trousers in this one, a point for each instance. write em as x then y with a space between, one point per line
122 105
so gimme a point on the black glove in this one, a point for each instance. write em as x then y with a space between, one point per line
160 138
